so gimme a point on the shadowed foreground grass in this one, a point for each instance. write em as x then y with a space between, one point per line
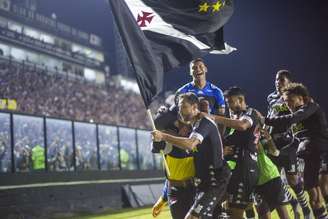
144 213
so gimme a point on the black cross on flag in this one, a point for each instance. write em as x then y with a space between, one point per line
160 35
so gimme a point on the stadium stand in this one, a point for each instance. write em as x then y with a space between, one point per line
39 92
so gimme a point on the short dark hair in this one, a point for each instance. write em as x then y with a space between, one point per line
190 98
193 62
197 60
234 91
164 120
297 89
285 73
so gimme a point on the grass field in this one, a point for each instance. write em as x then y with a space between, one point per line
144 213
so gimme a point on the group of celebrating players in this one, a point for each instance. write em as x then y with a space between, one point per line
223 157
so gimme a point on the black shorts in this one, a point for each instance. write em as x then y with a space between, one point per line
312 165
270 195
287 159
207 200
180 199
243 181
324 163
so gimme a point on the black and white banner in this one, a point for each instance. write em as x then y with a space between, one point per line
160 35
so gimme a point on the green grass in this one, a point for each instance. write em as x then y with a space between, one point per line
143 213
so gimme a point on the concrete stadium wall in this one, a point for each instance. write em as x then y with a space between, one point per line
50 195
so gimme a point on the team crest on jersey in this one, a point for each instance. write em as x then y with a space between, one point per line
298 127
280 108
254 157
198 209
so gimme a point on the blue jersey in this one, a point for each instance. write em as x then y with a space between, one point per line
210 92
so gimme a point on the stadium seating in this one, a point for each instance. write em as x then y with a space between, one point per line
40 92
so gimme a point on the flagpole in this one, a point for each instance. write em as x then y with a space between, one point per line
151 119
162 152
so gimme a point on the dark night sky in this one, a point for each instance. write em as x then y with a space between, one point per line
269 35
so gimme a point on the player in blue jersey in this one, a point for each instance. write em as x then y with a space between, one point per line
202 88
209 93
211 171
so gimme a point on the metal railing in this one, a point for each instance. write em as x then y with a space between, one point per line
32 143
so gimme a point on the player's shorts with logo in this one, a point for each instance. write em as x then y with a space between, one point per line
270 195
181 195
287 158
243 181
209 197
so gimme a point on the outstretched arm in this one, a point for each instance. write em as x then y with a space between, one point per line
181 142
286 120
240 125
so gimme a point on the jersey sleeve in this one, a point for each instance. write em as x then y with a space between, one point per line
270 98
298 116
219 98
181 90
202 131
249 118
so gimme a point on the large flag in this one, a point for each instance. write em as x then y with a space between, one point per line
160 35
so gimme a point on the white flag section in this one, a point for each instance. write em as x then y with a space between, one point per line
152 21
160 36
228 49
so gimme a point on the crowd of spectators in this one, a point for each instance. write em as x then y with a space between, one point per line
54 95
5 149
60 145
39 92
131 148
28 134
108 148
